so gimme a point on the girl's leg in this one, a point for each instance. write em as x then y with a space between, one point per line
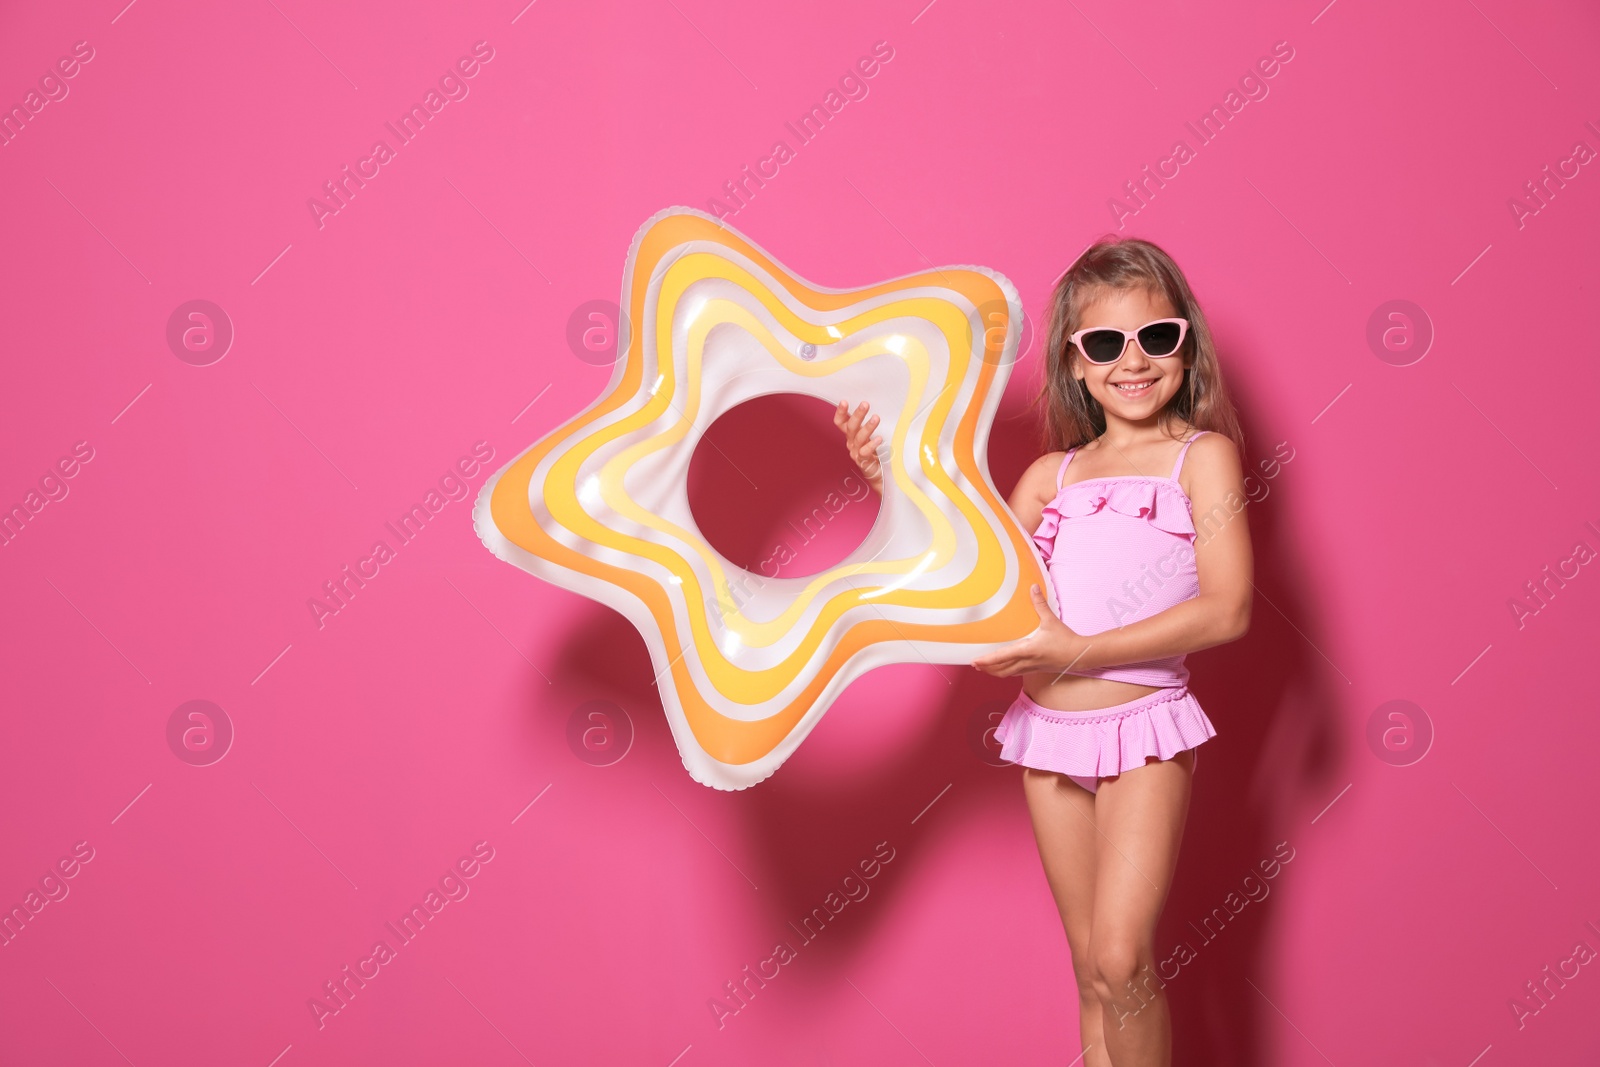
1064 826
1140 816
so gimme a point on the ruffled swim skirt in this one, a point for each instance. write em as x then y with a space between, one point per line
1089 745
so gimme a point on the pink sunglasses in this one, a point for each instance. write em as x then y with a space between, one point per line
1104 345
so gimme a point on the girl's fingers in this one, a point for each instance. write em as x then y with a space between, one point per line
1003 657
856 425
856 436
846 419
1041 604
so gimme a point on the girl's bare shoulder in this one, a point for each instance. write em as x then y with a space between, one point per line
1212 448
1214 457
1041 473
1038 482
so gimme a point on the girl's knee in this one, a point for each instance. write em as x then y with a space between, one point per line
1116 966
1085 976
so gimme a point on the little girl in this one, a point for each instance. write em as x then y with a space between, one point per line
1105 727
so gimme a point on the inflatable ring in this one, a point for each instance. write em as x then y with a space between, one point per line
600 505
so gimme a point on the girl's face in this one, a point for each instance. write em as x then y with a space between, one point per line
1135 388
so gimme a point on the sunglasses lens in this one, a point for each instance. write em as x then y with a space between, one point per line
1103 346
1159 338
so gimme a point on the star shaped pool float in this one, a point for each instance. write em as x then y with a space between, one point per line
600 505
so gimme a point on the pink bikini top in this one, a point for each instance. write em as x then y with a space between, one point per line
1119 550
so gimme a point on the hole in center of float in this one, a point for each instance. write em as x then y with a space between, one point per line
774 490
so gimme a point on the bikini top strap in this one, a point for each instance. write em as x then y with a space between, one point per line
1062 473
1184 451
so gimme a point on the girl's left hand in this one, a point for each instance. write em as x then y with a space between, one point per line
1052 647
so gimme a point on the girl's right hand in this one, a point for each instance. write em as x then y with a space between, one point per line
857 427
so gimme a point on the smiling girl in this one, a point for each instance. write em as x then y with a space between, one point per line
1105 727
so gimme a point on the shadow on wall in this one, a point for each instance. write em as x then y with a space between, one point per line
1276 750
1267 695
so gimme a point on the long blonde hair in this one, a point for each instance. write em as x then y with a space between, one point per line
1072 417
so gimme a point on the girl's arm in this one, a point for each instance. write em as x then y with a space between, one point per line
1035 489
1219 614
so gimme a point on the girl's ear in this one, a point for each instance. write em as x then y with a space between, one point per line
1076 366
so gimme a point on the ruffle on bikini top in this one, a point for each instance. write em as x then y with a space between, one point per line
1159 501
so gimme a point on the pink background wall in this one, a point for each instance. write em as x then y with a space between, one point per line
371 754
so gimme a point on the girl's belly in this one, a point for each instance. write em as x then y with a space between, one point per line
1070 692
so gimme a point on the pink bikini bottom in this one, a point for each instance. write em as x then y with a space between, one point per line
1087 746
